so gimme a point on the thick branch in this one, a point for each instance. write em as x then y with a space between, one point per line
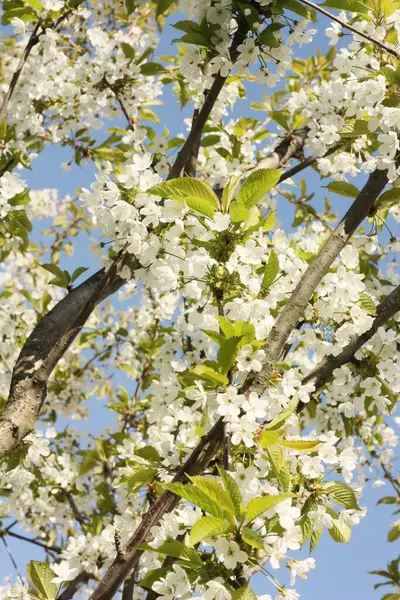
315 272
43 349
345 25
123 564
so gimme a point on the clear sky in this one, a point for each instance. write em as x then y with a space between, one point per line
342 570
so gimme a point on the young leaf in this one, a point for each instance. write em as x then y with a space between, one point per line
186 187
41 577
342 493
238 212
244 593
213 490
343 188
271 270
268 438
252 538
228 193
197 497
257 184
209 375
301 445
233 490
77 273
340 532
257 506
208 527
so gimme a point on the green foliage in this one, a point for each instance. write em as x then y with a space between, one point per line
209 527
256 185
195 193
343 188
341 493
271 270
41 577
257 506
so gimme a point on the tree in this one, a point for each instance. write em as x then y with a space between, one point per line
261 364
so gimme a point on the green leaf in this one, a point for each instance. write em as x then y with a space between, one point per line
152 68
271 270
244 593
153 576
208 374
343 188
257 184
229 191
163 6
130 6
394 534
342 493
25 13
175 549
233 490
208 527
281 117
389 500
257 506
226 356
148 453
216 493
301 445
252 538
315 538
279 466
268 438
350 5
390 197
267 37
300 9
138 479
34 4
238 212
354 128
185 188
55 270
210 140
200 205
282 417
367 304
41 577
197 497
77 273
128 50
340 532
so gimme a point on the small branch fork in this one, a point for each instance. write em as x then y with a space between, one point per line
345 25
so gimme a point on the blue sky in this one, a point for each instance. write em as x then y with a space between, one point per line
342 570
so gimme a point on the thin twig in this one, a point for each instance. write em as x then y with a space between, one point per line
55 549
8 550
33 40
345 25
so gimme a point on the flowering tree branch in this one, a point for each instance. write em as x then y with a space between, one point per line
345 25
321 264
194 137
43 349
385 311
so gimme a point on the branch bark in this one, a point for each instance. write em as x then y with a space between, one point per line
321 264
194 137
43 349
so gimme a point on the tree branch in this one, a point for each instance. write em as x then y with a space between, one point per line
194 137
385 311
345 25
43 349
321 264
129 558
55 549
33 40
